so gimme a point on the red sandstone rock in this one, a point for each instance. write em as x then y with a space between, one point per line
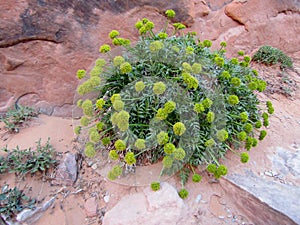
91 207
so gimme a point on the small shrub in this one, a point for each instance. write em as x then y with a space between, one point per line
170 97
28 160
13 201
16 116
271 56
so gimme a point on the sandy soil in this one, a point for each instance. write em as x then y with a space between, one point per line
214 207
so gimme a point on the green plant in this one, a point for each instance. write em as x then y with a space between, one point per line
13 201
16 116
170 98
271 56
29 160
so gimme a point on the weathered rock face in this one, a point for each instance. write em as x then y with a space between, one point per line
161 207
43 43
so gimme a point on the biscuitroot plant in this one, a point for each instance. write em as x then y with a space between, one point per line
170 98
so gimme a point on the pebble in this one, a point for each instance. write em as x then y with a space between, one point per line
94 166
198 198
229 216
203 201
106 198
268 173
221 217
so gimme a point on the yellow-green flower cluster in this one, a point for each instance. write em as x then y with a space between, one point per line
84 121
169 148
178 26
159 88
100 103
139 86
217 171
198 108
210 143
221 171
89 150
222 135
113 155
244 117
87 107
270 107
258 124
100 62
219 61
80 74
247 58
155 46
140 144
223 44
225 75
242 136
129 158
104 48
162 35
161 114
189 80
265 117
234 61
113 34
120 41
261 85
144 25
241 53
88 85
118 60
262 135
155 186
244 157
170 13
94 135
189 50
94 81
252 85
77 130
196 178
207 103
120 145
118 105
207 43
125 68
79 102
235 81
210 117
115 97
114 173
167 161
183 193
121 119
249 143
179 153
233 100
169 106
196 68
162 138
105 141
186 67
179 128
96 71
212 168
248 127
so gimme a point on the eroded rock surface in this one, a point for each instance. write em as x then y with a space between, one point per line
148 208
